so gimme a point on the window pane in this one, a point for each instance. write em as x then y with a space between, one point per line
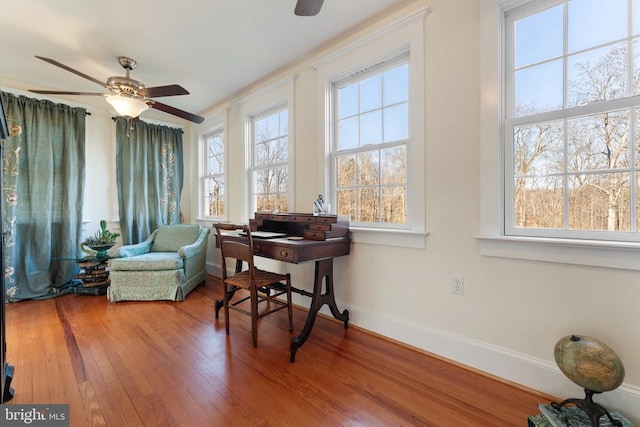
348 134
281 179
394 204
538 149
282 202
371 128
347 203
396 85
261 130
214 196
396 123
539 37
393 165
539 88
280 147
216 164
368 168
598 142
592 23
637 140
368 205
266 202
348 101
636 63
371 93
599 202
538 202
346 171
272 126
272 152
636 17
637 203
597 75
263 181
262 154
215 145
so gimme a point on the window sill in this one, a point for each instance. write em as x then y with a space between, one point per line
609 254
387 237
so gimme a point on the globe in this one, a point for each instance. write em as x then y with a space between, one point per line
589 362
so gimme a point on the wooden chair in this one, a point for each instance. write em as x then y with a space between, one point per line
263 286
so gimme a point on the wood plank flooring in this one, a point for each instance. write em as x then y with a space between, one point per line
171 364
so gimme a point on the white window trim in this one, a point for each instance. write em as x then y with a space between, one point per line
493 242
277 94
406 35
216 122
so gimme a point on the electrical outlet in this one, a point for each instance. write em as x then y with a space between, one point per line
457 285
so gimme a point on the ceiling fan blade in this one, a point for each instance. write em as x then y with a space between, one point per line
61 92
175 111
76 72
308 7
159 91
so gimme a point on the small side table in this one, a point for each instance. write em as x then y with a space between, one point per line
94 275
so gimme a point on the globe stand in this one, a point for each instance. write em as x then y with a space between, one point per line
593 410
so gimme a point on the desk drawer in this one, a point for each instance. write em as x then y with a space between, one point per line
315 235
281 253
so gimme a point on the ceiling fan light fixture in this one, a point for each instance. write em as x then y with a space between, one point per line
127 106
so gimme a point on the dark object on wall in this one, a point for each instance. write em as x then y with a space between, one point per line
7 370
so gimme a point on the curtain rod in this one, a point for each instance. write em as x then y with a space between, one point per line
114 118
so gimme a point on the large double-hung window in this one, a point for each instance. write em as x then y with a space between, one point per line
370 145
572 119
213 178
371 108
270 160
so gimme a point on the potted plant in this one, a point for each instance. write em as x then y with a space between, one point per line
100 242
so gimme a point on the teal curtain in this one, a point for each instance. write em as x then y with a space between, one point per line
43 191
149 171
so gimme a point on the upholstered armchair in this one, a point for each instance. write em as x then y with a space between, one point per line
166 266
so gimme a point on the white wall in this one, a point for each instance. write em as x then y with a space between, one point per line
513 311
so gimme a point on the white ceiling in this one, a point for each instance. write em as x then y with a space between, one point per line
213 48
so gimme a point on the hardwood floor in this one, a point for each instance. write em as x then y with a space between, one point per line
167 363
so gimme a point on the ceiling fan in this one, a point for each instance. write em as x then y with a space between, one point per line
129 97
308 7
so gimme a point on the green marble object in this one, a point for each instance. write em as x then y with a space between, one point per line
588 362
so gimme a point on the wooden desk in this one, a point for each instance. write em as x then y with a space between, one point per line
321 252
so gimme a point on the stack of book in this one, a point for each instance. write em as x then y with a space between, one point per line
570 416
94 275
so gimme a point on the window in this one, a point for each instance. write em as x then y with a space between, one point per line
269 160
371 126
214 177
369 155
572 120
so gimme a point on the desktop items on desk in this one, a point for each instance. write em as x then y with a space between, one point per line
320 207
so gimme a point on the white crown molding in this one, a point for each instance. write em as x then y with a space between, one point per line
363 40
